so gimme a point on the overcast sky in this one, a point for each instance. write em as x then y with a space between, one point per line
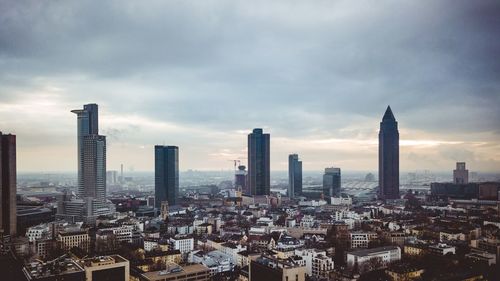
317 75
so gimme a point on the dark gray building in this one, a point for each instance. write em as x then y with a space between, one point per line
259 163
331 183
166 174
388 157
240 179
294 176
8 175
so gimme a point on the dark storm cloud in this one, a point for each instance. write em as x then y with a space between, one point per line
308 69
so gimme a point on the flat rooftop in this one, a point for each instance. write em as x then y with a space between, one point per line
177 271
38 269
368 252
103 260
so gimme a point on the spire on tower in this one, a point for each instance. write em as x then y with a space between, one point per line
388 114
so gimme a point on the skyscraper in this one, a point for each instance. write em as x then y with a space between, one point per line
331 183
460 174
8 174
294 176
240 179
91 163
259 163
166 175
87 124
388 156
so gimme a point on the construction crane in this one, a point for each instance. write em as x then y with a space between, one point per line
236 163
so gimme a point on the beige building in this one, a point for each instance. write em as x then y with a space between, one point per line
70 239
273 269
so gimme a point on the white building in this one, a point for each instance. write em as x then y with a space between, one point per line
183 244
317 263
216 261
37 232
122 233
385 255
441 249
341 201
307 221
232 251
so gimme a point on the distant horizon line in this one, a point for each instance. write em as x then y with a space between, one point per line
284 171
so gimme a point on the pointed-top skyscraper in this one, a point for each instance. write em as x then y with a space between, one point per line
388 157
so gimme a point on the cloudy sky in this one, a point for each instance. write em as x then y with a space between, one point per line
317 75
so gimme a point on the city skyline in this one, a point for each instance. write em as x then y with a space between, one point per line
316 77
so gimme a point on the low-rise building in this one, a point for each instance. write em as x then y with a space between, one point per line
113 267
37 232
317 263
272 269
361 239
175 272
404 273
441 249
69 239
62 268
375 258
414 249
183 244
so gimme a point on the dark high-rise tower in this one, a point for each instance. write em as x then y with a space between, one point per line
331 183
8 219
388 157
166 174
294 176
259 163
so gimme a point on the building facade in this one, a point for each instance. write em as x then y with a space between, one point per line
294 176
331 182
388 155
166 175
460 174
91 156
8 188
259 163
113 267
377 257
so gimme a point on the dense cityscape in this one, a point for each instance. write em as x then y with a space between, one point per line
109 225
230 140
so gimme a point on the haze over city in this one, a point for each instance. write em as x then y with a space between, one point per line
316 75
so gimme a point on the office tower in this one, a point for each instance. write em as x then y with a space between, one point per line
8 175
240 179
121 173
166 174
259 163
111 177
460 174
87 125
91 163
294 176
331 183
388 157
